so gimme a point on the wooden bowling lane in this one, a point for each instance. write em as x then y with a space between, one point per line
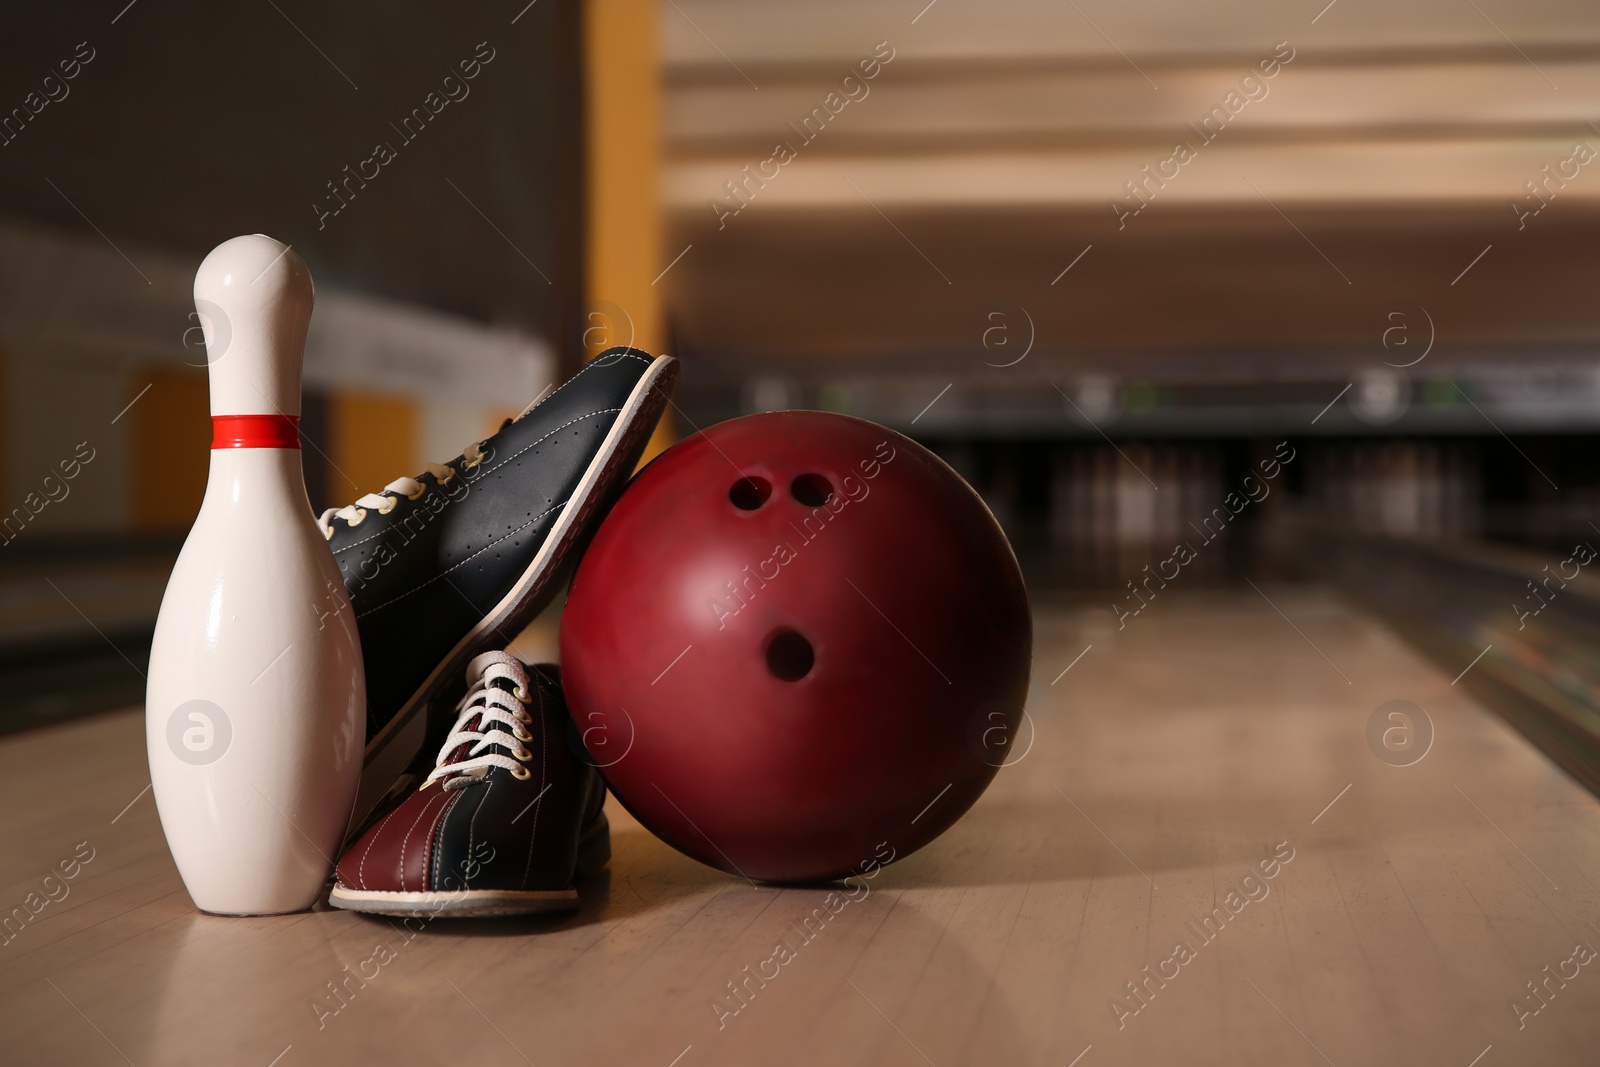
1172 758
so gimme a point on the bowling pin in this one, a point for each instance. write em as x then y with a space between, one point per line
255 715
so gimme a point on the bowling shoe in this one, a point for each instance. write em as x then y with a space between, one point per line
459 559
506 822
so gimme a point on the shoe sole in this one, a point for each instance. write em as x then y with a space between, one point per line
398 743
594 852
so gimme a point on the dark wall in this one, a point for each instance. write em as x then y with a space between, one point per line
195 122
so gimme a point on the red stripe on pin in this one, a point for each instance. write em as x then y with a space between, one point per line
255 431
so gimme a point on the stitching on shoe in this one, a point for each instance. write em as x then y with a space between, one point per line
544 777
488 470
591 365
406 841
361 868
571 422
390 528
463 563
472 826
431 864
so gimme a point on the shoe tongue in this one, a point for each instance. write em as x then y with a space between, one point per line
476 724
459 753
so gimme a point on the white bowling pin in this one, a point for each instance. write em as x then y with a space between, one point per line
255 715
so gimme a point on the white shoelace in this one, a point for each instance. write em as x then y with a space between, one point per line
484 705
384 502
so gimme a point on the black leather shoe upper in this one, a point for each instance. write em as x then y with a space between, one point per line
434 567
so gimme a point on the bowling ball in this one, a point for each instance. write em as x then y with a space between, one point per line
798 646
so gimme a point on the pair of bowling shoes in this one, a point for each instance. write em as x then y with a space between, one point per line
444 570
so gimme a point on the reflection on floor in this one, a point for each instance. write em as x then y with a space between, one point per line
1201 859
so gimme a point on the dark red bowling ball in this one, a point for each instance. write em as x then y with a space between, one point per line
798 645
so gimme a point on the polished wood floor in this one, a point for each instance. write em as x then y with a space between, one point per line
1169 761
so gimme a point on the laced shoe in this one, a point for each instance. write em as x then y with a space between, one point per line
459 559
505 823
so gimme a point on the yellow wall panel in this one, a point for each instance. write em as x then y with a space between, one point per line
622 82
623 253
372 440
169 443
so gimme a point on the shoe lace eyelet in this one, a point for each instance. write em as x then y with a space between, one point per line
520 734
521 774
361 515
522 695
421 491
388 507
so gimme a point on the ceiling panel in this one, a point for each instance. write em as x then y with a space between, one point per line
1376 170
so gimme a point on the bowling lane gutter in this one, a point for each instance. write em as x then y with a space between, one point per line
74 597
1458 603
57 664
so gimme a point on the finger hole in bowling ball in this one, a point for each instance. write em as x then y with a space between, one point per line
790 656
750 493
812 490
